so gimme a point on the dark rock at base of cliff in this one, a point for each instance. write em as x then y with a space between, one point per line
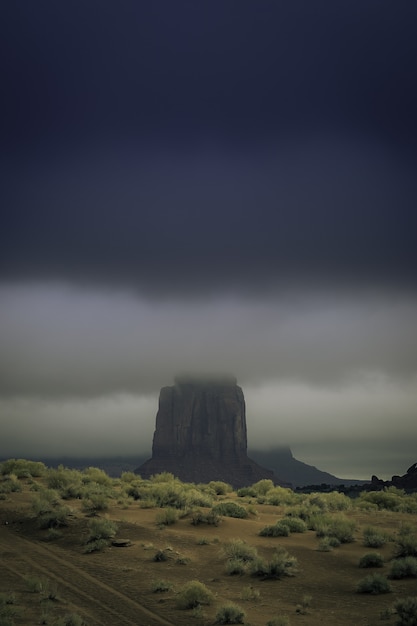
407 481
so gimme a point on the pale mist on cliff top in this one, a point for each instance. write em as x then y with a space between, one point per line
330 374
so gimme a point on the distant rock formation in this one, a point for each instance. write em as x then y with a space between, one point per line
408 481
200 434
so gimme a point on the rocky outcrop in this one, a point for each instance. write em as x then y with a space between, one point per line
200 434
407 481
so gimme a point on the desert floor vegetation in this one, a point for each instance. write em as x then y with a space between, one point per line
78 547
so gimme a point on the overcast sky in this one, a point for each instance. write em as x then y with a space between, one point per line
210 187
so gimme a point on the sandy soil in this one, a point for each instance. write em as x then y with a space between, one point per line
114 587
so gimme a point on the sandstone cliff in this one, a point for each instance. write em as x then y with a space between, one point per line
200 434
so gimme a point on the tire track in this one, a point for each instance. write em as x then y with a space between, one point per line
87 588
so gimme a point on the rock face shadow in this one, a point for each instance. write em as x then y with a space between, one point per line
201 435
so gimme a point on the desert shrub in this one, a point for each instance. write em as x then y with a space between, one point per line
230 614
385 499
128 477
230 509
100 528
61 477
405 543
96 475
239 549
48 512
94 503
282 564
195 497
279 620
22 468
161 586
10 484
236 567
280 529
167 517
194 594
250 593
373 538
163 477
374 584
328 543
262 487
199 517
406 611
338 526
280 495
96 545
403 568
371 559
219 487
295 524
245 492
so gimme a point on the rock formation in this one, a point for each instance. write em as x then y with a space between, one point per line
408 481
200 434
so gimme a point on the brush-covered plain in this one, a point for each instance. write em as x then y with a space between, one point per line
78 547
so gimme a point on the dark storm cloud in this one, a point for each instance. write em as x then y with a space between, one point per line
197 146
321 209
210 187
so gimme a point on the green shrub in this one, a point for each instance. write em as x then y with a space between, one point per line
199 517
280 529
161 586
96 545
245 492
167 517
22 468
100 528
295 524
62 477
194 594
230 614
239 549
405 545
374 584
96 475
94 503
373 538
403 568
371 559
338 526
219 487
262 487
280 495
230 509
250 593
236 567
10 484
406 611
386 499
282 564
326 544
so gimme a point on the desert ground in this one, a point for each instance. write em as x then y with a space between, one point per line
48 574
